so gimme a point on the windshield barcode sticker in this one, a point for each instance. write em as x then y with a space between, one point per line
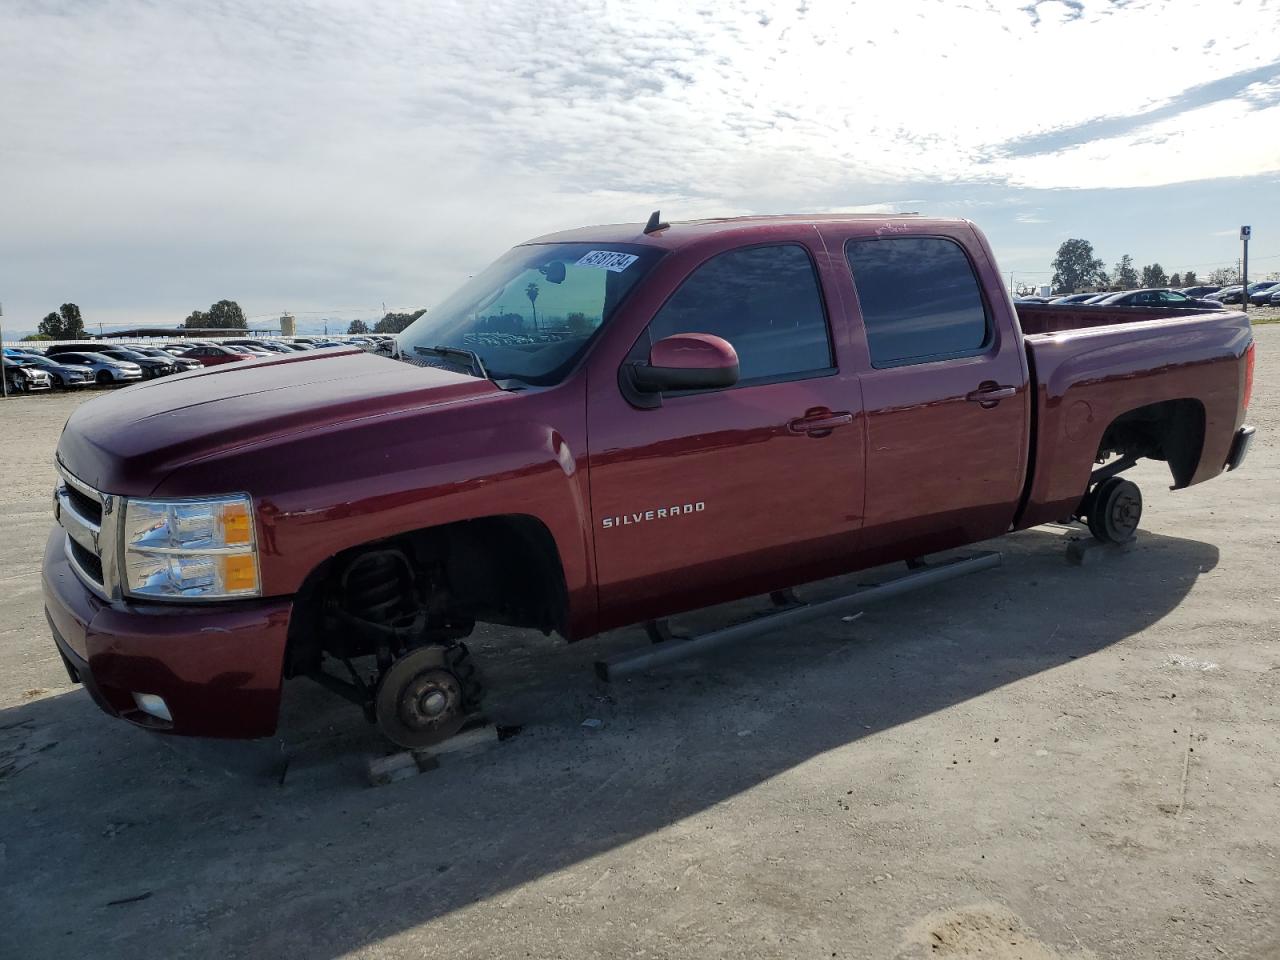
607 260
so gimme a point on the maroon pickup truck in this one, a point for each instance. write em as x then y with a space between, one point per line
606 426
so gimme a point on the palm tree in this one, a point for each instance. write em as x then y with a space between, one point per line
531 291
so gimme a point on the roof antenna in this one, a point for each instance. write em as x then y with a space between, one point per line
655 223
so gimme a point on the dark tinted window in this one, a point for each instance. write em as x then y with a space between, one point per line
920 299
763 300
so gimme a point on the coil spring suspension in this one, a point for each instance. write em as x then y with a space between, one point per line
379 588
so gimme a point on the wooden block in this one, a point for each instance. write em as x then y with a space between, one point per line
398 766
474 738
1081 553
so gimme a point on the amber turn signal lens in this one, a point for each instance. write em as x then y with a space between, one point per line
234 519
239 572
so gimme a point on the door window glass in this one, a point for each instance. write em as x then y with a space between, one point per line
765 301
920 299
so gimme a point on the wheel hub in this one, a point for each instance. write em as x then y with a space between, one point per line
420 700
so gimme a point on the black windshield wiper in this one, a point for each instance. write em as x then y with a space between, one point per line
467 358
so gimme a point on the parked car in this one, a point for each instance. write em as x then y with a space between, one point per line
1156 298
1201 291
22 377
17 353
1074 298
213 354
103 369
1260 293
151 366
63 375
87 346
182 364
263 346
1275 298
728 450
1229 294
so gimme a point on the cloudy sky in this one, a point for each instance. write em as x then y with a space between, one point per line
327 158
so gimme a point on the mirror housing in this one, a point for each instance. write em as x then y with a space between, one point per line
687 361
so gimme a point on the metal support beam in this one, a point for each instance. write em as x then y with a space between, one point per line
648 658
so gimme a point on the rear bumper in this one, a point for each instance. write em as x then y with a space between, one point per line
1240 447
218 668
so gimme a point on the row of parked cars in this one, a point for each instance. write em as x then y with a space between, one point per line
1264 293
103 362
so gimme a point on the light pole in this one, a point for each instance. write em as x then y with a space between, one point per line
4 381
1245 233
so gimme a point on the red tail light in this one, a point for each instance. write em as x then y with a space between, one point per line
1248 374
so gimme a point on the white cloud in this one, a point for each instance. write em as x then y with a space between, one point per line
305 154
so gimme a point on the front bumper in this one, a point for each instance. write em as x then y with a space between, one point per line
1240 446
218 667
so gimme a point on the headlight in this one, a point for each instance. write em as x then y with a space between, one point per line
190 549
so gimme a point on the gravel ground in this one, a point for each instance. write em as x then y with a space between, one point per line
1040 761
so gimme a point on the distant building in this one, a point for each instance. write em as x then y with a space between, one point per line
287 325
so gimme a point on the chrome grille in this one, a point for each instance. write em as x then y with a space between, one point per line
87 517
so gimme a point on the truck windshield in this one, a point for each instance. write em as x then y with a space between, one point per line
530 315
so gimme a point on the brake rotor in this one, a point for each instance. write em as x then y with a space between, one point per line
420 700
1115 509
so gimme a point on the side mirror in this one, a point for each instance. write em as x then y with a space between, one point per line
687 361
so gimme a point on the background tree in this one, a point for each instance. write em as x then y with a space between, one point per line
396 322
1175 280
72 324
1075 267
36 336
357 326
227 315
1224 276
531 291
223 315
51 326
578 322
1189 279
1125 278
66 324
1153 275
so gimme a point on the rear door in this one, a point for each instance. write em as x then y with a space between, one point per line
723 493
944 383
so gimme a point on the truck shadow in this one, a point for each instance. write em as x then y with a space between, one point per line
320 866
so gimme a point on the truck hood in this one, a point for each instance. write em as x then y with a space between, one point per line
128 441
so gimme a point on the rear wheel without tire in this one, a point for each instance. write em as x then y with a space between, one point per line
1115 508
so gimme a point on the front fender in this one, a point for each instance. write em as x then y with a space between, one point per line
336 487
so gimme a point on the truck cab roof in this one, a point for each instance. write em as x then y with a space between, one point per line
680 233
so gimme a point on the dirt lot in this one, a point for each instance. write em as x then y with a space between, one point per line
1041 761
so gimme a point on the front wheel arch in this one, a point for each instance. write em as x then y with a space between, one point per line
503 569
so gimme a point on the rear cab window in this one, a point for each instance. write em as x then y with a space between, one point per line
920 300
766 302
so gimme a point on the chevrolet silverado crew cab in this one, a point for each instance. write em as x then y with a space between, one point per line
606 426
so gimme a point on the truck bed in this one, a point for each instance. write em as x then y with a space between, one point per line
1057 318
1174 376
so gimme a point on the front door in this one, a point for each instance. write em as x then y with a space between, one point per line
720 494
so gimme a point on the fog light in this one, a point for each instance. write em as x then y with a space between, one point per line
154 705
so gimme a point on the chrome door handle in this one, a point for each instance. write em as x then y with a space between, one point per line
989 394
822 423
